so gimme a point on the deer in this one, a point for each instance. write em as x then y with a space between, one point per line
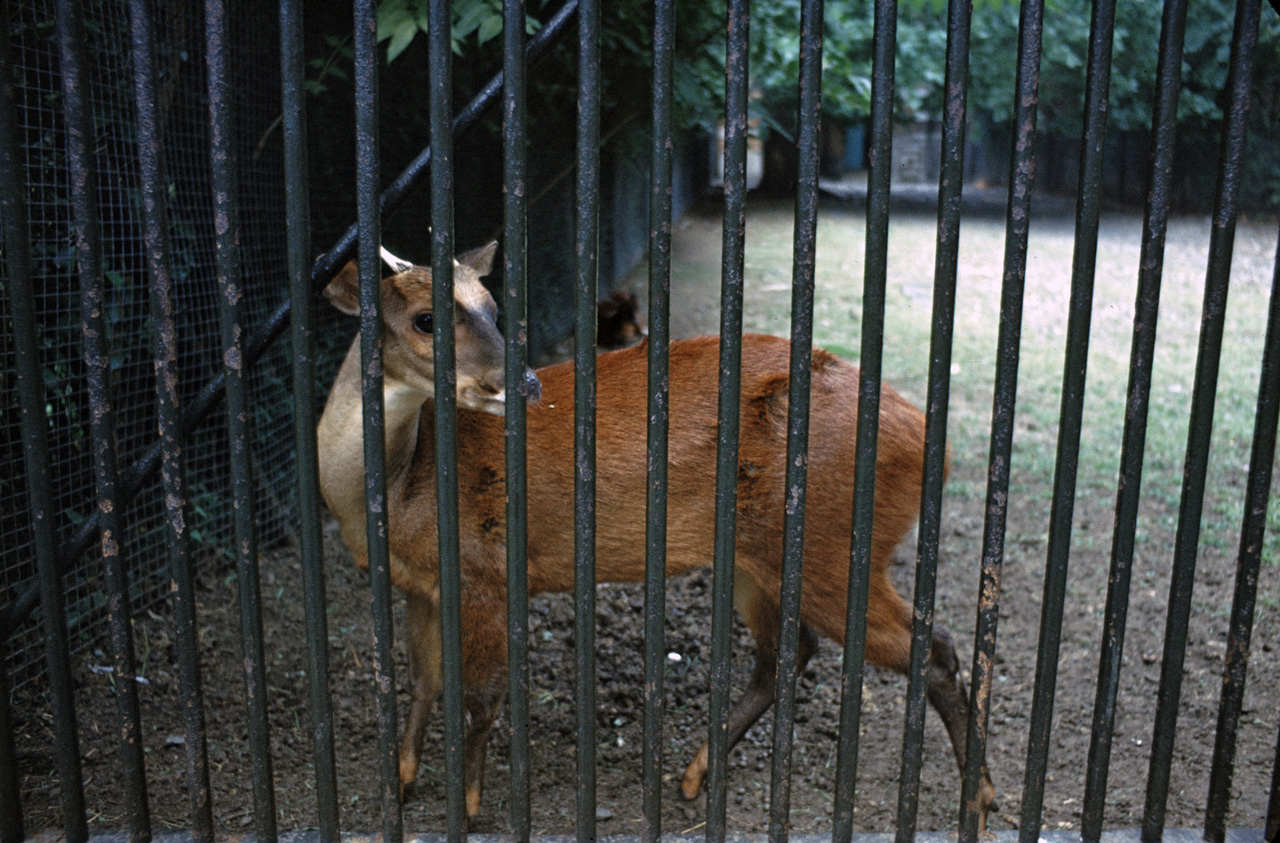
408 387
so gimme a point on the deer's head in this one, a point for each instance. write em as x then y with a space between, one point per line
409 325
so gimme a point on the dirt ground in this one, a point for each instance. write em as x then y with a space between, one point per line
619 715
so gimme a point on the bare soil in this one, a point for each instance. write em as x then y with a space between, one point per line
619 715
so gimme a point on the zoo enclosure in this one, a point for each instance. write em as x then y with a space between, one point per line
108 313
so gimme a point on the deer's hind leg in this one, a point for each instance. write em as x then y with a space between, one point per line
948 696
889 646
482 707
760 613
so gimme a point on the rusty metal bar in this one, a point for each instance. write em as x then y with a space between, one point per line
870 356
82 169
1252 534
950 183
1088 207
516 328
659 418
802 275
369 225
584 408
231 317
35 451
1129 484
302 342
727 427
11 825
171 440
440 110
1271 832
1186 540
1004 405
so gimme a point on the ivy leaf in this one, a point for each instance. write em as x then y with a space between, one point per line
491 26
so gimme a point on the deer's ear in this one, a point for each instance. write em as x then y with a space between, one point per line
344 290
480 260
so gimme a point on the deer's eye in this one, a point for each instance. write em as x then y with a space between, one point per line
423 322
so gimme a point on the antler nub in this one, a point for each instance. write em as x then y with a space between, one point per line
394 263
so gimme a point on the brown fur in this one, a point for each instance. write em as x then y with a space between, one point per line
620 541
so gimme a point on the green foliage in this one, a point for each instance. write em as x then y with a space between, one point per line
400 21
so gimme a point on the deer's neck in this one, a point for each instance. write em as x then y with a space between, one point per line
340 443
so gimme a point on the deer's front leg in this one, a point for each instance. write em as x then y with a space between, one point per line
422 641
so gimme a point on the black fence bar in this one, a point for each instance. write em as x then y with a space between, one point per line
231 317
97 356
369 226
169 412
440 110
1252 533
802 282
11 825
659 414
727 425
1004 405
1141 358
322 272
515 123
586 242
1084 260
1271 833
35 451
302 342
1186 540
935 458
870 355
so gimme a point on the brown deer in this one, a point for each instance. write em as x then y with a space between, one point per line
621 414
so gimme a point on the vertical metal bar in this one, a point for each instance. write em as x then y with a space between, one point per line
231 313
802 272
369 225
584 408
1252 533
154 191
1217 279
97 354
13 215
1129 484
935 464
1004 404
659 407
516 328
11 825
302 342
870 356
730 383
440 61
1271 832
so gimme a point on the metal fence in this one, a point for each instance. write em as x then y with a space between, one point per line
246 338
